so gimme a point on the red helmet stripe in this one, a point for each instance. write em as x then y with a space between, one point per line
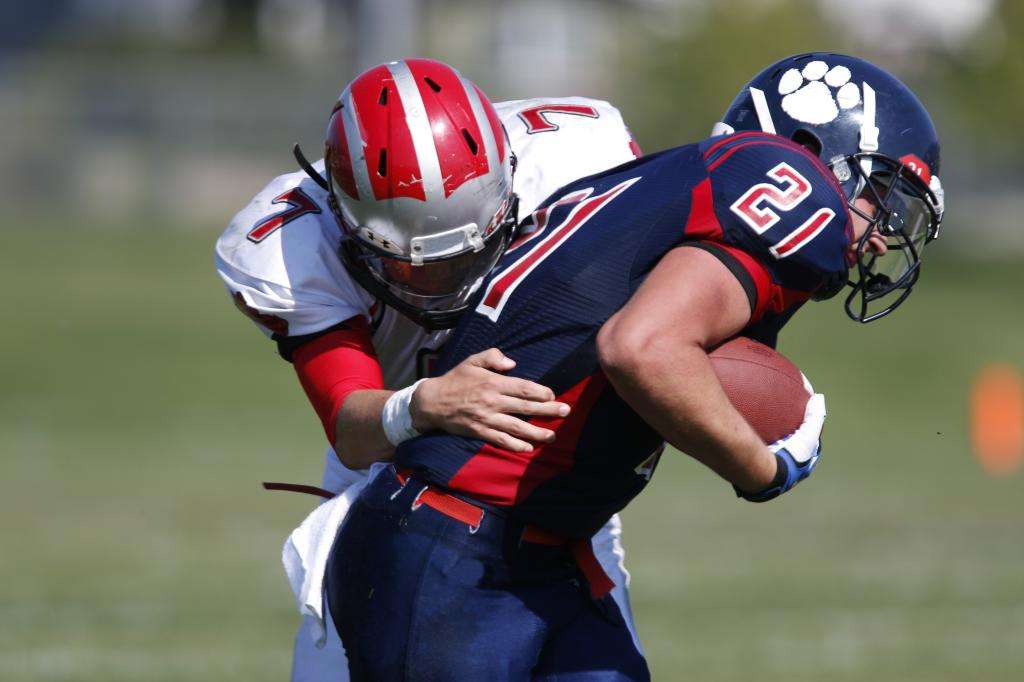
461 152
497 129
340 162
388 150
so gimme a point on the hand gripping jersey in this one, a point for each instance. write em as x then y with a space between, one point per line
278 257
768 209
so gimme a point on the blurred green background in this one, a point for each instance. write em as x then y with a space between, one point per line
139 410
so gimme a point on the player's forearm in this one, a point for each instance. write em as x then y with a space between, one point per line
674 388
359 438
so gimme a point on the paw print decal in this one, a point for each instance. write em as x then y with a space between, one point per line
809 92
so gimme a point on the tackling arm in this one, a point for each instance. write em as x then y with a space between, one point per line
654 352
342 378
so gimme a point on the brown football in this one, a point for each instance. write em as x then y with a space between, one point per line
763 385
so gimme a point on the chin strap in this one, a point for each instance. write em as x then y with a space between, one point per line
764 115
306 166
868 129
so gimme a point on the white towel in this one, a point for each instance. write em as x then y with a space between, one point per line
306 550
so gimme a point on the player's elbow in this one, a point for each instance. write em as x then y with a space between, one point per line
355 461
349 454
352 451
621 349
357 454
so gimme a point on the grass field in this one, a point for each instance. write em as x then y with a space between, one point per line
139 411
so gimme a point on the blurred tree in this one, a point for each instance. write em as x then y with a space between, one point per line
686 74
237 26
984 86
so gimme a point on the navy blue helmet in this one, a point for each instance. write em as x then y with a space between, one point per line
880 143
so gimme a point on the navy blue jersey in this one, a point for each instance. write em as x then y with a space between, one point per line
769 210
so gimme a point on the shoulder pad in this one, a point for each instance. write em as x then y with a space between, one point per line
559 139
278 259
776 200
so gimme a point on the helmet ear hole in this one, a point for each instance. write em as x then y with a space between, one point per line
805 138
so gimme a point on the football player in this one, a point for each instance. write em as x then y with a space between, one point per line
358 279
474 561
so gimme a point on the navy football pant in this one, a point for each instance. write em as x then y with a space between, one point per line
416 596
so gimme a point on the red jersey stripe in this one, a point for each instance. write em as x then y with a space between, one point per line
634 148
541 219
758 273
803 234
733 138
504 478
702 223
503 285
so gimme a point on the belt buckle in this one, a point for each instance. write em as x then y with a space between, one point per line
416 501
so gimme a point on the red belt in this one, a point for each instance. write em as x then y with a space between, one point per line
449 505
582 551
581 548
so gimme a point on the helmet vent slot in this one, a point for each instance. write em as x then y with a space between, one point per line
473 147
433 85
383 97
382 163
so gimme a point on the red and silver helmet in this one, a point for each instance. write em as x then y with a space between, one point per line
419 175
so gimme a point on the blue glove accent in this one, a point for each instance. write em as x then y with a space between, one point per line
789 473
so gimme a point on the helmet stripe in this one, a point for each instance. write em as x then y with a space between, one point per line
417 127
455 126
493 149
390 162
497 129
354 140
339 168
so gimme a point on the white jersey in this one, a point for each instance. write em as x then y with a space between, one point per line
279 255
278 258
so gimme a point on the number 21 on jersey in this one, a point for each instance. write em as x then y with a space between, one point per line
759 205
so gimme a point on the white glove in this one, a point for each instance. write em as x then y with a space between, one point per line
797 454
804 443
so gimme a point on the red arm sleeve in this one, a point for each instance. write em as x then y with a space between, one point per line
331 367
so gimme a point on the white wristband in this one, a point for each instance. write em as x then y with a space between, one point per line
396 419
